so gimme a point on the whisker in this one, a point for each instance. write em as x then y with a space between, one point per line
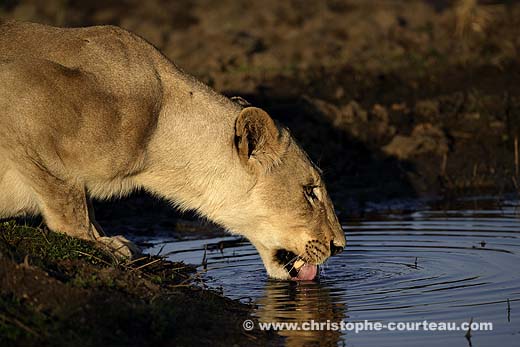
290 261
289 271
292 267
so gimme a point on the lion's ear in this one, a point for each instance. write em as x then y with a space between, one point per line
257 139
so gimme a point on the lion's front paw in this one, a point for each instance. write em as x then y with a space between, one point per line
120 246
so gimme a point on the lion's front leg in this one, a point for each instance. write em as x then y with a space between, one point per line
119 245
66 208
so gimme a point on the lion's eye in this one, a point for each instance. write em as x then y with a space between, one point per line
310 192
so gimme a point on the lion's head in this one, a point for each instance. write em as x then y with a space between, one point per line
289 216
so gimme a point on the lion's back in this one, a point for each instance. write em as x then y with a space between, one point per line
122 61
93 87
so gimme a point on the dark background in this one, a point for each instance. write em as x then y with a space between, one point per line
391 98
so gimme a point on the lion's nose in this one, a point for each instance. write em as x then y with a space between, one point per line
335 249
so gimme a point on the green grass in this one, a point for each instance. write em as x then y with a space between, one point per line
47 247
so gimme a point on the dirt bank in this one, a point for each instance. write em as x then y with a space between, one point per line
59 291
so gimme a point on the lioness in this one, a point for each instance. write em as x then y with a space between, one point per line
98 112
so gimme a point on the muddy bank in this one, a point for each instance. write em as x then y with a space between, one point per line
59 291
457 139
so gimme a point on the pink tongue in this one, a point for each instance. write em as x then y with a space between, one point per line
307 273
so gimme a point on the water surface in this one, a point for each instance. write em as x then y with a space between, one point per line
453 264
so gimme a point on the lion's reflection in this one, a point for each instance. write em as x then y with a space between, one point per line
302 302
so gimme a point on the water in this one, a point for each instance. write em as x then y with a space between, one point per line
435 265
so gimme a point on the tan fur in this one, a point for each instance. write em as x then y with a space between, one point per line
98 112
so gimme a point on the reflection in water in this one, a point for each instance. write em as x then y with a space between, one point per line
435 265
305 302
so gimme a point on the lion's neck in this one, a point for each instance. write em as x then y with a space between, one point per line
192 161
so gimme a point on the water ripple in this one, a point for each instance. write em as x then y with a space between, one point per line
450 265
